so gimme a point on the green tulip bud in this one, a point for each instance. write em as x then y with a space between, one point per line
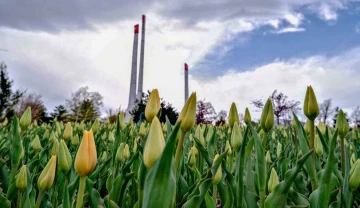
354 176
135 144
55 147
236 137
153 105
273 180
267 116
119 154
247 117
67 132
155 143
195 150
322 127
111 137
218 173
36 145
354 135
311 107
228 147
5 122
188 113
35 123
75 140
307 127
46 134
47 176
21 180
126 153
318 146
122 120
142 130
164 128
233 115
192 159
25 119
64 158
278 149
199 135
268 157
95 126
209 134
341 124
103 156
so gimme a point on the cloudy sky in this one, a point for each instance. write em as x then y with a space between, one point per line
236 50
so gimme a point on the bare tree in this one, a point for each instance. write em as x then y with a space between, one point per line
281 105
34 101
355 115
221 117
326 111
205 112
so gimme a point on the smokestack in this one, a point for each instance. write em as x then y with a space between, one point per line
132 92
186 82
141 69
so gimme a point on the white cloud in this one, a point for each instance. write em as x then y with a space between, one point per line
290 30
294 19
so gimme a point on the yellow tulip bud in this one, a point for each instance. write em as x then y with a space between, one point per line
354 176
67 132
75 140
55 147
152 105
5 122
195 150
236 137
47 176
111 137
36 145
35 123
278 149
155 143
188 113
273 180
46 134
311 107
307 127
122 120
25 119
103 156
135 144
126 153
142 130
268 157
321 126
247 117
233 115
21 180
267 116
342 124
86 157
218 173
164 128
64 158
192 159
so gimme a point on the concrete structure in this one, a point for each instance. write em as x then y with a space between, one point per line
186 78
132 91
142 53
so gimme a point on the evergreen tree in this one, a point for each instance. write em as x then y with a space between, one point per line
60 112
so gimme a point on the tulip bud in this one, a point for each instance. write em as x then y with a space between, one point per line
55 147
209 134
273 135
199 135
233 115
52 137
21 180
236 137
120 153
64 158
273 180
122 120
152 105
103 156
75 140
192 159
155 143
47 176
135 145
267 116
311 107
341 124
25 119
307 127
247 117
228 147
142 130
354 176
126 153
95 126
318 146
111 137
354 135
46 134
278 149
35 123
267 157
322 128
86 157
218 173
352 160
5 122
164 128
188 113
67 132
36 145
195 150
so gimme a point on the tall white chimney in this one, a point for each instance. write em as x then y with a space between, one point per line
142 53
186 74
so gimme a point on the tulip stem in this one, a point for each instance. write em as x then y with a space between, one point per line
80 195
179 150
312 146
214 192
342 148
39 198
265 139
19 198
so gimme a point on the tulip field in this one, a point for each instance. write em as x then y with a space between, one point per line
153 164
